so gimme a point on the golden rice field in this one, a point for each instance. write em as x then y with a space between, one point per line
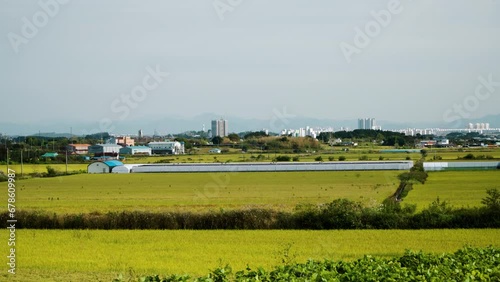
212 191
200 191
459 188
98 255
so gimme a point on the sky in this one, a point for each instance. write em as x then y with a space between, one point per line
115 61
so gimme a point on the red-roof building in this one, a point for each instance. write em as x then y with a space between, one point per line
78 149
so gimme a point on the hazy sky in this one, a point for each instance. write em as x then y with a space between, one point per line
81 60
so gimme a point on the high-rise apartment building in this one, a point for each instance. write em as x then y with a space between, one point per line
220 128
367 123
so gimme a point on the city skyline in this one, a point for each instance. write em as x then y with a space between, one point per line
297 127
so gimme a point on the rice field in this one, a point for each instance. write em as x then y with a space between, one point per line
200 191
98 255
459 188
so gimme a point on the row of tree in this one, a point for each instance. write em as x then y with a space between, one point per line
338 214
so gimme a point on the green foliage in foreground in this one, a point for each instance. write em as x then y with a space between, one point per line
467 264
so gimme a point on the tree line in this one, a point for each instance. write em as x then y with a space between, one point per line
338 214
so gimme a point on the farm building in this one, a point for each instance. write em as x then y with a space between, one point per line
49 155
103 167
215 151
272 167
438 166
121 140
120 169
78 149
401 151
163 148
135 150
109 150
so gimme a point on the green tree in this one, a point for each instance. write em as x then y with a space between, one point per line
217 140
423 152
492 201
234 137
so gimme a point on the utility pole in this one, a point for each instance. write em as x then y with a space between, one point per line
66 160
22 149
6 148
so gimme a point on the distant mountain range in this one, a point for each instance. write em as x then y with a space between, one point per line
173 125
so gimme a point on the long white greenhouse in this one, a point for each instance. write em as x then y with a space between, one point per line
277 166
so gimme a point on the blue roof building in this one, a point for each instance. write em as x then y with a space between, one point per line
103 167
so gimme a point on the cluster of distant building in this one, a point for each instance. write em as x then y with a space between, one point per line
483 128
479 126
363 123
307 131
123 145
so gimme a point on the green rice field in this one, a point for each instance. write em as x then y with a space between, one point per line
200 191
212 191
98 255
459 188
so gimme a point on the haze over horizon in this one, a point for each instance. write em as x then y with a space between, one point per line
413 61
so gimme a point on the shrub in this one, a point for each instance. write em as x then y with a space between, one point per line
51 172
469 157
296 159
283 158
341 214
363 158
318 159
342 158
423 152
492 201
3 177
331 158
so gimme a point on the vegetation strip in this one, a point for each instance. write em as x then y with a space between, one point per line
467 264
339 214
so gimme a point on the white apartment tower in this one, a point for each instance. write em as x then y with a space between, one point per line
367 123
220 128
